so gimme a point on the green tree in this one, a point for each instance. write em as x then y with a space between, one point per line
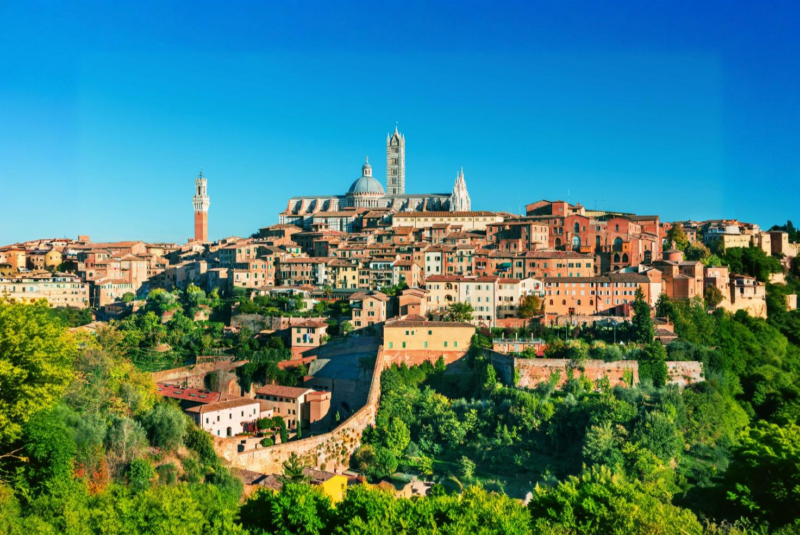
127 297
529 306
601 501
166 426
712 296
653 364
294 470
346 327
642 323
697 252
460 312
36 357
677 236
296 509
763 479
140 475
466 467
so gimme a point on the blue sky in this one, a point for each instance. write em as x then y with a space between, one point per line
109 109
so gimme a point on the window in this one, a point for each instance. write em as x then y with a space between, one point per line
445 344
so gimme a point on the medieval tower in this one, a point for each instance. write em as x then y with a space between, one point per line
201 202
395 163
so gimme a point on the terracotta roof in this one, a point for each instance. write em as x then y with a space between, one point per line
282 391
312 323
611 277
412 323
190 394
223 405
443 214
359 296
305 260
456 278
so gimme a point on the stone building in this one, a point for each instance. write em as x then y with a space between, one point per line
367 193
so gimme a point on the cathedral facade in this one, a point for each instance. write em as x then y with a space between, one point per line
367 193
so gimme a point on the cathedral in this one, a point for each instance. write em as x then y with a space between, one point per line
367 192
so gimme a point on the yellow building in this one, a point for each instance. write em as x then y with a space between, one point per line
332 485
53 259
343 273
431 336
59 290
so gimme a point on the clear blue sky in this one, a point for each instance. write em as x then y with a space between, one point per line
109 109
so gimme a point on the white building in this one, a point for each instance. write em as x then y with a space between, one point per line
226 418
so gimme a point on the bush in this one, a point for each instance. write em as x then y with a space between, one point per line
167 474
139 475
267 442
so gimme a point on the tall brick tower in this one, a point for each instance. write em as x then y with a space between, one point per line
395 163
201 203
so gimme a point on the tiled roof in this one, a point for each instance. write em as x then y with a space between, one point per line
456 278
190 394
282 391
411 323
444 214
223 405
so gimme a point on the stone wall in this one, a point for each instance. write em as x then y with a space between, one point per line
684 373
415 357
194 376
329 451
529 373
532 372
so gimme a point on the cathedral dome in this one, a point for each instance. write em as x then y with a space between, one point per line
367 184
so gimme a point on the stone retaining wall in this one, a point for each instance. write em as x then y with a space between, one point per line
529 373
329 451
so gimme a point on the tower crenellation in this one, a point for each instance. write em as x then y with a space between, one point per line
201 202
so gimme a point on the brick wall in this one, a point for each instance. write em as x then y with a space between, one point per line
415 357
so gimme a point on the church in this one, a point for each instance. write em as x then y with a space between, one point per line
366 193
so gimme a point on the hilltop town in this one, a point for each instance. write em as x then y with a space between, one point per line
279 346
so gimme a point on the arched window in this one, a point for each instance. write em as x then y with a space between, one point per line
616 258
558 242
576 242
551 301
625 257
577 227
448 286
591 302
579 302
617 244
563 301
